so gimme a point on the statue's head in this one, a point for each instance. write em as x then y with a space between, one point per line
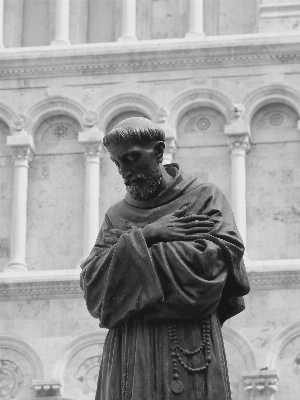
136 146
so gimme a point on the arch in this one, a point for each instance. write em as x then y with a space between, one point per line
270 94
242 345
6 115
199 97
86 339
53 106
280 341
125 102
18 344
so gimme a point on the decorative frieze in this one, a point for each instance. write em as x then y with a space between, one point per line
181 55
69 288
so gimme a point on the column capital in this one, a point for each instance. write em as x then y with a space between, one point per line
50 388
22 148
263 383
91 141
239 144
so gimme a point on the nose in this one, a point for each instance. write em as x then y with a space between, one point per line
124 172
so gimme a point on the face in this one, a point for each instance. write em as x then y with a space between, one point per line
138 164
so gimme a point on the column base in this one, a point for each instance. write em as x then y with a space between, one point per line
59 42
127 39
195 35
15 266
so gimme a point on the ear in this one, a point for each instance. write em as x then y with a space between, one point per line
159 148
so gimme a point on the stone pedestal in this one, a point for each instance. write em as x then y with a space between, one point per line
92 144
195 20
261 385
62 23
128 21
22 152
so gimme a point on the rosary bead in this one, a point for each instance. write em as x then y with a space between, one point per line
175 376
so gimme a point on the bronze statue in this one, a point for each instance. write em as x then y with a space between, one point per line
166 271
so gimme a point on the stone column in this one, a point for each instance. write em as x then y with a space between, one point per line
22 152
91 139
61 23
1 23
261 385
238 148
128 21
162 120
13 23
195 20
239 144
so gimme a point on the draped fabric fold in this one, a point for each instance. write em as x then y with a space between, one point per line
135 290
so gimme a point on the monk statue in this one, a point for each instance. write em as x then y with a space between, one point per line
165 273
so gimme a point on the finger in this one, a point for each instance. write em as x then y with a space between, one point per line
193 231
118 232
194 224
180 212
192 217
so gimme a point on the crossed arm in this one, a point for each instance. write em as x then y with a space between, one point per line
173 227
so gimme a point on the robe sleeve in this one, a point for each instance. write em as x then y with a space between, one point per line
168 280
120 281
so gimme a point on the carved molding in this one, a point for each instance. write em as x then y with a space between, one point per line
279 341
190 99
242 345
19 345
70 288
178 55
5 113
40 290
258 98
130 101
54 104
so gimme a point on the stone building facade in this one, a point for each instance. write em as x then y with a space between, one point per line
222 79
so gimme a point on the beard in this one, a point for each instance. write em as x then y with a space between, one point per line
149 186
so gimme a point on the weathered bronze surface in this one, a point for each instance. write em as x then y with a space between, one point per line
165 272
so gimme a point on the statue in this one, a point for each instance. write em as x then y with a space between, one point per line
166 271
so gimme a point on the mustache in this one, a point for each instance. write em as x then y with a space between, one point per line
136 178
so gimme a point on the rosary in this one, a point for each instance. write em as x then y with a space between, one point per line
177 386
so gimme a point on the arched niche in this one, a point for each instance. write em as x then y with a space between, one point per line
201 126
55 195
79 363
284 357
57 134
4 132
123 115
202 147
240 359
19 365
276 122
272 94
273 172
128 102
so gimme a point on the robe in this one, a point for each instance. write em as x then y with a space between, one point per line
138 291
